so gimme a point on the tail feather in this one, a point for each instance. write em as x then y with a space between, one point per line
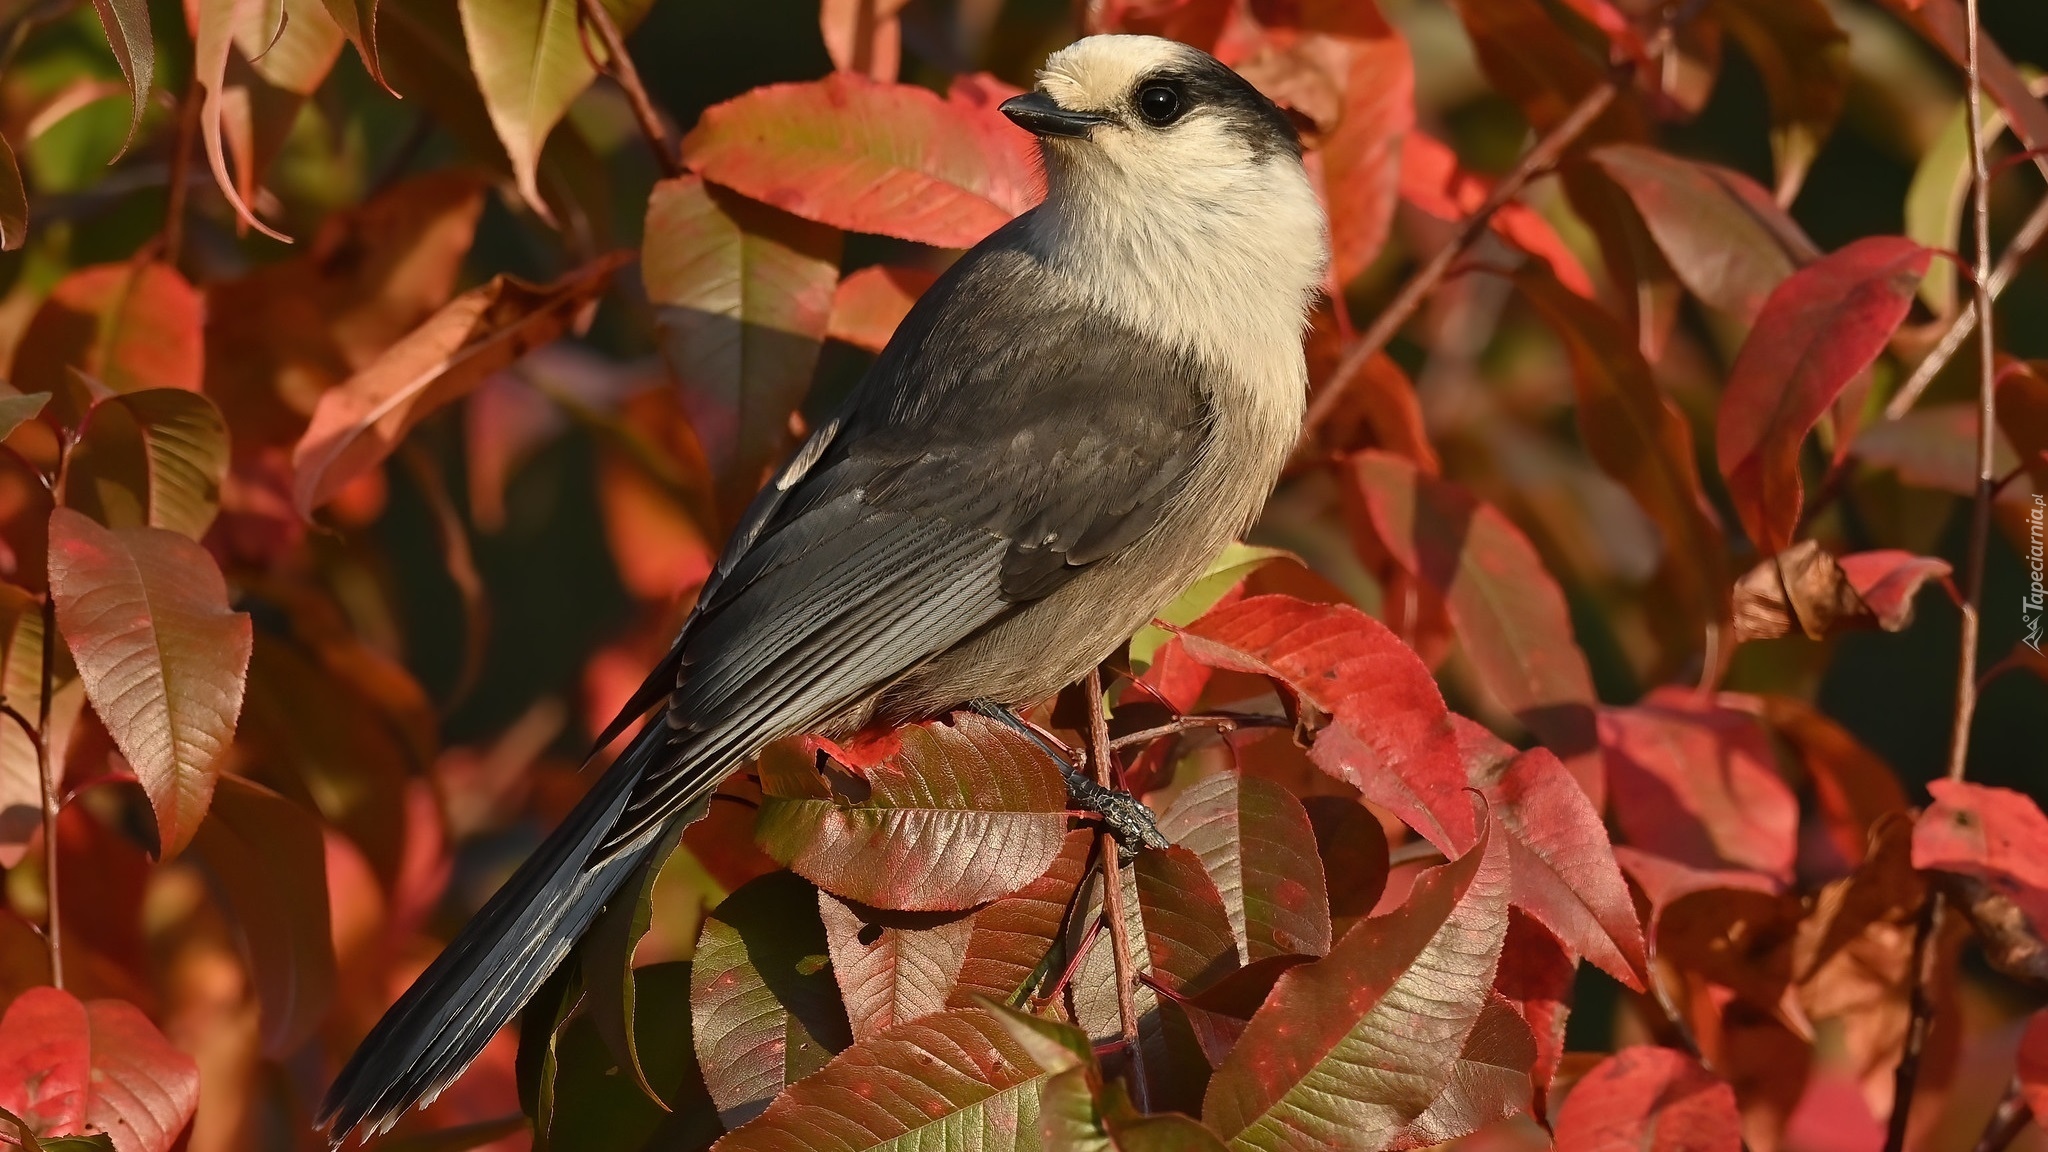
500 958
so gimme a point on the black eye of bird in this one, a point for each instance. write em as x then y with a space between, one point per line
1160 104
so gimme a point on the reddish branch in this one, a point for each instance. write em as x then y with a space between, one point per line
1099 758
618 64
1927 945
1221 722
2007 1121
52 801
181 174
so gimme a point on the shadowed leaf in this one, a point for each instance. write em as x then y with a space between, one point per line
869 304
126 23
1011 935
1256 843
69 1067
1825 324
363 420
128 326
1645 1099
1804 61
1697 783
164 660
156 457
14 198
893 967
1433 181
266 855
608 961
1989 834
964 813
2023 416
888 158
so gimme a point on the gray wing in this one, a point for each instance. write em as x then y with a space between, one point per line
1000 445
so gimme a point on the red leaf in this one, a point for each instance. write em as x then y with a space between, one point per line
1889 579
2023 416
863 36
1645 1099
1820 328
1725 237
1853 786
968 812
1535 977
894 159
129 326
1013 934
71 1068
1391 735
893 967
1697 783
1379 410
1990 834
1564 870
1507 611
1433 182
1353 1049
164 660
870 303
1255 841
2033 1063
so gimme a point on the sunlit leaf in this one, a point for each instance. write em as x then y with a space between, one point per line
764 1011
1011 935
893 967
1353 1049
869 304
1646 1099
126 23
265 853
1725 237
1227 571
1506 610
889 158
19 409
213 43
129 326
13 199
1433 181
966 812
863 36
1697 783
530 64
70 1067
145 614
361 422
1256 843
156 457
959 1073
1823 325
744 296
1993 835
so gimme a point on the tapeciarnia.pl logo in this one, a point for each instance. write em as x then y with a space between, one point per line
2035 607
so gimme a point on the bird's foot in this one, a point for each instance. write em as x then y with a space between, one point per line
1126 817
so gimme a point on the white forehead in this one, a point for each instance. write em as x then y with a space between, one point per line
1100 70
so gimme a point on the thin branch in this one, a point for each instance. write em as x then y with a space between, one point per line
1100 757
52 801
1927 944
1535 162
2016 252
1222 722
619 66
461 565
178 190
2007 1121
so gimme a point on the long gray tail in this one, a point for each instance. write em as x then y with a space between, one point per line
500 958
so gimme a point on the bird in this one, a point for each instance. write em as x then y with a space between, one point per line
1064 432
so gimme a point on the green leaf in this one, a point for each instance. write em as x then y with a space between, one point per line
1255 842
1227 571
1940 188
964 813
1078 1115
164 660
598 1109
127 26
531 65
608 959
956 1079
155 458
267 858
743 296
764 1010
1355 1049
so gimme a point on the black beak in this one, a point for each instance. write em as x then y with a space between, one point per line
1035 112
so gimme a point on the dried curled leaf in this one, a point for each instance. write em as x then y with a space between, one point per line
1820 594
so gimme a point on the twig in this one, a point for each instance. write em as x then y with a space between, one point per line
2016 252
1222 722
1535 162
1926 945
619 66
461 565
179 188
2007 1121
52 802
1099 757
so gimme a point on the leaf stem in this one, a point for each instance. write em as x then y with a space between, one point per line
179 188
1222 722
1099 756
1926 944
619 66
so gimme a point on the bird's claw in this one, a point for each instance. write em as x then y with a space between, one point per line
1126 817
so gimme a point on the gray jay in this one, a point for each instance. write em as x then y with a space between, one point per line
1063 433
